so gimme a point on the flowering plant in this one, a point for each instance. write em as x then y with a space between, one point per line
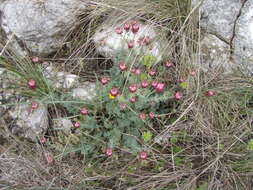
130 103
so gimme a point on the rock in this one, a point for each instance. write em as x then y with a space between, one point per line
218 17
65 135
62 124
30 124
215 53
162 139
39 26
111 44
70 81
7 89
243 41
85 92
60 79
228 23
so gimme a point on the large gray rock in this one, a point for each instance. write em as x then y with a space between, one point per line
59 79
30 124
8 94
218 16
40 26
85 92
215 54
111 44
243 41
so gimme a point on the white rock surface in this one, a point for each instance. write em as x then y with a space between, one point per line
218 16
85 92
224 23
60 79
39 25
109 44
29 124
215 53
243 41
62 124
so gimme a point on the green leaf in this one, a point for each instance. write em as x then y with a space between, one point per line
148 60
173 140
90 123
176 149
183 85
178 161
131 143
147 136
143 76
203 186
250 145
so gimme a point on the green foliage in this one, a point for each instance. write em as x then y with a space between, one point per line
250 145
115 121
23 70
203 186
147 136
183 85
148 60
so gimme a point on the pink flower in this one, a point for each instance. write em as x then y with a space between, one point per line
143 155
151 115
144 84
104 80
178 95
152 72
137 71
192 73
108 151
133 99
168 64
142 116
210 93
122 106
31 84
42 140
122 66
84 111
133 70
130 44
127 26
154 84
135 27
159 87
34 105
36 59
119 30
50 159
132 88
77 124
144 41
114 91
181 79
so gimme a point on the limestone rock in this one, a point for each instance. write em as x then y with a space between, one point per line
215 53
111 44
39 26
63 124
85 92
30 124
218 16
60 79
243 41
